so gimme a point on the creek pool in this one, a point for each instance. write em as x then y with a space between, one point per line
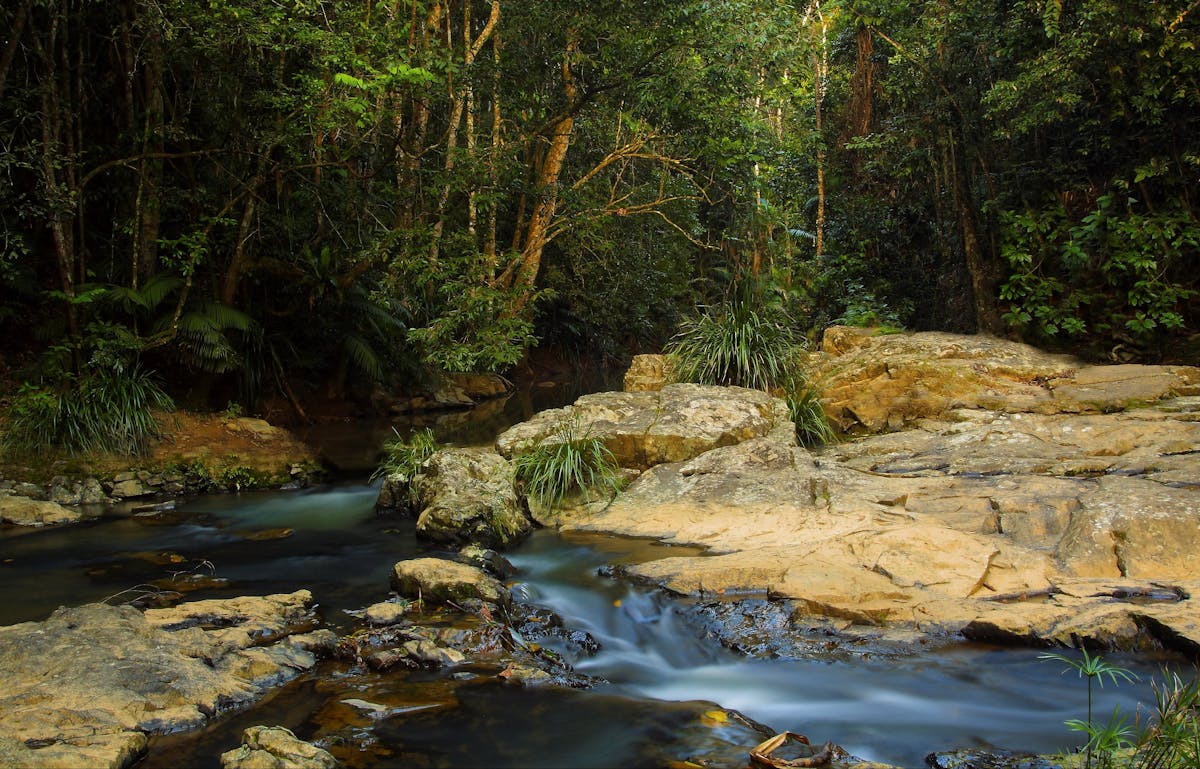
661 674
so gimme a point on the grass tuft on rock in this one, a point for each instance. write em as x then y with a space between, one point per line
750 341
566 463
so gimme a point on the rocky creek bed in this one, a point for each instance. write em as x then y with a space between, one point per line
992 494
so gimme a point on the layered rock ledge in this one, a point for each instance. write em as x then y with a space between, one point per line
86 686
1020 497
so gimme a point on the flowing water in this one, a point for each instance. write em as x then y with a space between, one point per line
657 667
664 679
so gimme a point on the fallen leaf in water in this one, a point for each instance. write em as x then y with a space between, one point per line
617 603
714 718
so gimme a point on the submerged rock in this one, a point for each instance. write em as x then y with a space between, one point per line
23 511
988 759
274 747
84 687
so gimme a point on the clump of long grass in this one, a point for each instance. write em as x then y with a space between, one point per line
402 459
108 411
566 463
750 340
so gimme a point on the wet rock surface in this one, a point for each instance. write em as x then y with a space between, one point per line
23 511
439 581
988 759
466 496
274 747
1021 498
84 687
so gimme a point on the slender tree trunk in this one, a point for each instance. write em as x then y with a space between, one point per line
409 178
14 42
460 101
984 280
489 247
150 172
546 185
820 68
57 159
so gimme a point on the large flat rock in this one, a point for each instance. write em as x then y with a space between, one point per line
879 382
1005 475
85 687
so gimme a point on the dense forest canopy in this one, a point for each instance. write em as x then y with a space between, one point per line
254 198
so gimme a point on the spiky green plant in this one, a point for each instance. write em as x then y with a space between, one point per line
405 456
1103 739
805 410
735 343
1173 740
750 341
566 462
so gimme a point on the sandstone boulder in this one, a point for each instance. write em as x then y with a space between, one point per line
274 747
23 511
879 382
90 682
436 580
970 522
647 373
644 429
466 496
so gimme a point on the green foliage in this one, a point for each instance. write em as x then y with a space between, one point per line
405 456
807 413
1103 740
566 463
751 341
1118 270
107 410
1172 741
744 341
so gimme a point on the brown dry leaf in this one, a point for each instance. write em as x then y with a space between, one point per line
761 754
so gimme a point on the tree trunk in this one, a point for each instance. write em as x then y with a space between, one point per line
150 171
14 41
820 68
460 100
984 280
546 184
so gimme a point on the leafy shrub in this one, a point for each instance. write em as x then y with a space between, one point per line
566 463
107 410
1117 272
